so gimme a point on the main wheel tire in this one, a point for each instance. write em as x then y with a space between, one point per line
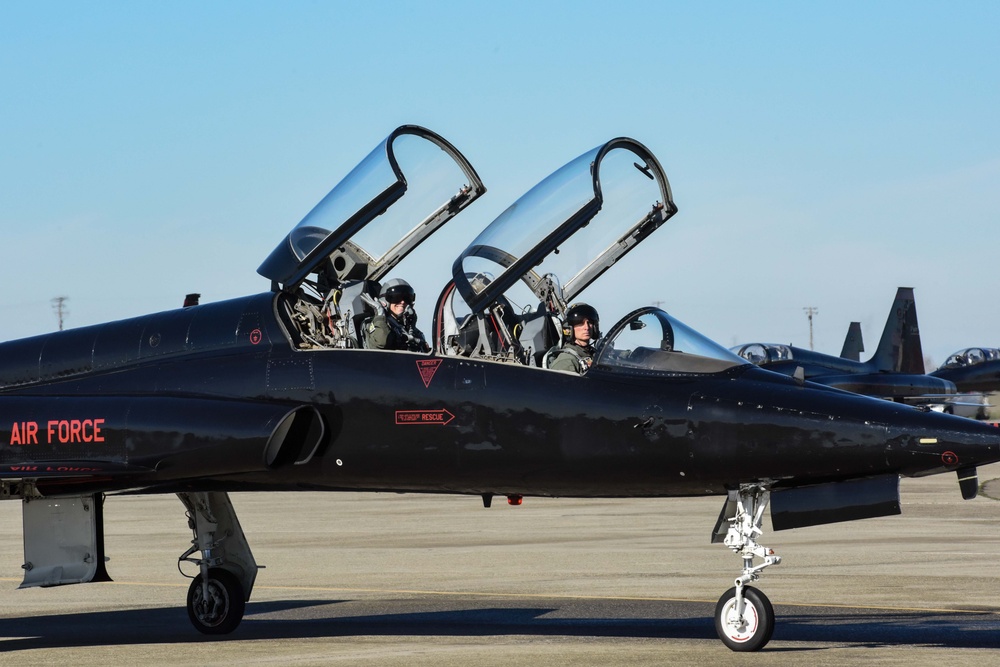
222 610
756 627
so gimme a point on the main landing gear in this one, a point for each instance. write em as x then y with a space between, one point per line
218 595
744 617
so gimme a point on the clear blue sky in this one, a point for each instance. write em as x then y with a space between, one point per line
821 154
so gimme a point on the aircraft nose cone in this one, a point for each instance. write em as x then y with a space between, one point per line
936 443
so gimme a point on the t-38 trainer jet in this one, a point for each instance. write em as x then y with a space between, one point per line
895 371
276 392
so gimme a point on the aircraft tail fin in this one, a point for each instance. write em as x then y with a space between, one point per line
854 345
899 350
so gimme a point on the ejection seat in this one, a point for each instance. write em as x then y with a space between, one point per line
498 333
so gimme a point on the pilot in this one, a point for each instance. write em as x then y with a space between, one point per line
394 326
580 331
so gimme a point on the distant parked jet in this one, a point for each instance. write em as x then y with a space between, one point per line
895 371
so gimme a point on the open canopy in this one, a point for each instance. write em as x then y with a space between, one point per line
570 228
359 231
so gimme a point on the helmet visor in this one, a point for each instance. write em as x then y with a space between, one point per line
578 314
400 294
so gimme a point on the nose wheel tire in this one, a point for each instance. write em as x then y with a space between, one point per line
221 610
754 629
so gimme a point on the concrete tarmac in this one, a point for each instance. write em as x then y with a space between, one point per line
385 579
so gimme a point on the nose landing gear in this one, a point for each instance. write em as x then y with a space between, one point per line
744 617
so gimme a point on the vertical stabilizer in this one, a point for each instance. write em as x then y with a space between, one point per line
853 344
899 349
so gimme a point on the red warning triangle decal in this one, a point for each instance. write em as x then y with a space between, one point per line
427 368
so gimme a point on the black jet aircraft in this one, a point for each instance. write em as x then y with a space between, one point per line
974 369
273 391
895 371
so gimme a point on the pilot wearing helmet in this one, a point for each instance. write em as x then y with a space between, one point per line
580 331
394 326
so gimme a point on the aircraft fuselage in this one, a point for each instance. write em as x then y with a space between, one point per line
190 403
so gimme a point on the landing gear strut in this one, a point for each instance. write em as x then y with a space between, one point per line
217 597
744 617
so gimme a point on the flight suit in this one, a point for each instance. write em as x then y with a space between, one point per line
572 357
385 332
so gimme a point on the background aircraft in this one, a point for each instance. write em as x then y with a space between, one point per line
273 392
895 371
972 369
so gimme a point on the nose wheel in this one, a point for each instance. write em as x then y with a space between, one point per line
749 630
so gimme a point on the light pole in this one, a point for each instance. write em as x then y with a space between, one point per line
810 311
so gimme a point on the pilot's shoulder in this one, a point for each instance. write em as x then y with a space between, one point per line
564 360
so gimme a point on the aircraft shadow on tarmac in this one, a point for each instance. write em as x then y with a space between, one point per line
305 619
881 628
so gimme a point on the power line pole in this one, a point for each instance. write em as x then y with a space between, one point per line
59 305
810 311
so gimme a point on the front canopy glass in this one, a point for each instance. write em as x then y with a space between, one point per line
649 340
